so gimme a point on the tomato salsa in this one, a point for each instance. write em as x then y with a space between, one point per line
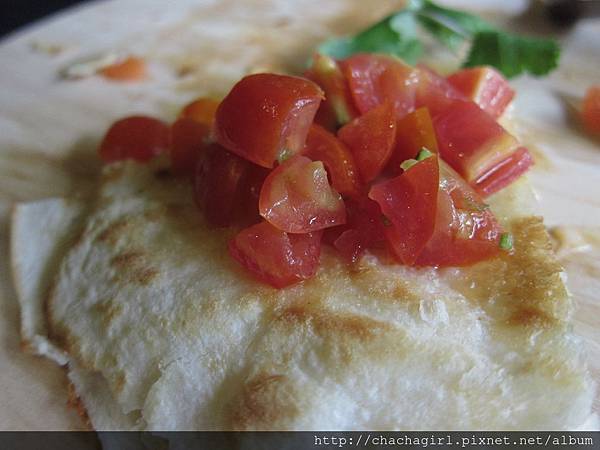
360 154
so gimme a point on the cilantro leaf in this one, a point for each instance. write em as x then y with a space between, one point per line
397 35
394 35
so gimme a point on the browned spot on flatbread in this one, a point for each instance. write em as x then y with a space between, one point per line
266 399
75 402
522 288
108 310
120 381
112 232
144 276
126 259
376 283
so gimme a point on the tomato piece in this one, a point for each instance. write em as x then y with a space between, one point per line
504 173
365 229
326 72
276 257
471 141
202 110
266 117
413 132
296 197
371 138
337 158
465 231
225 186
590 110
435 92
130 69
373 79
187 141
136 137
486 87
409 202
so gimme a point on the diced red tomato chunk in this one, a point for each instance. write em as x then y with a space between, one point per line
137 137
371 138
486 87
327 74
374 79
504 173
266 117
276 257
470 140
465 230
413 132
296 197
435 92
337 158
409 202
202 110
130 69
590 111
225 186
187 141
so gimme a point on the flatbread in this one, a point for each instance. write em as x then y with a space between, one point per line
148 301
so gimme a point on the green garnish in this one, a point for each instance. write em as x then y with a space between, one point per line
408 164
506 241
386 221
284 154
397 35
424 154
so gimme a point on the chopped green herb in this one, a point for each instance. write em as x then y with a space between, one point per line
424 154
408 164
506 241
398 35
284 154
386 221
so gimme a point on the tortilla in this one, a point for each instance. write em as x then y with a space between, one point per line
178 337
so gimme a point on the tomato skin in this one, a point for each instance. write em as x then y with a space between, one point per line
435 92
187 141
371 139
296 197
337 158
409 202
470 140
504 172
226 187
276 257
266 116
202 110
365 229
413 132
486 87
136 137
466 231
590 110
338 102
373 79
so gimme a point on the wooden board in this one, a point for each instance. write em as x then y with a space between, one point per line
49 129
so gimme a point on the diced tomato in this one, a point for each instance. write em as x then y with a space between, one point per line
486 87
371 138
465 231
202 110
471 141
409 202
365 229
435 92
296 197
373 79
413 132
187 140
337 158
225 186
326 72
137 137
130 69
504 173
590 111
276 257
266 117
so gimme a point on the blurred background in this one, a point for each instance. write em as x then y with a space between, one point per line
16 13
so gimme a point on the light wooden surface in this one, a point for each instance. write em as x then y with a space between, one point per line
49 129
